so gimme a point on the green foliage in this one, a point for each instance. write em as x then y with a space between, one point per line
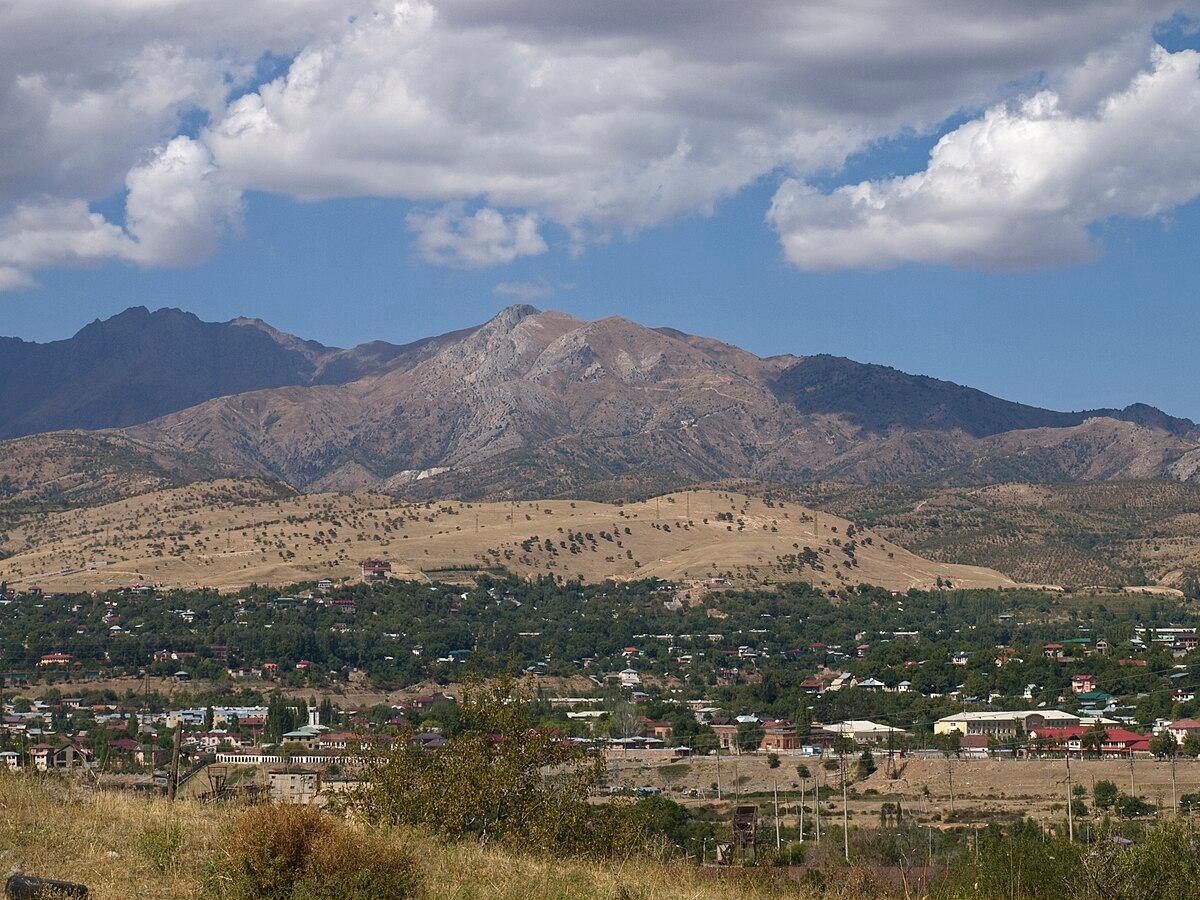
1104 794
1164 744
498 780
301 853
1191 744
1131 807
866 764
1161 863
1017 865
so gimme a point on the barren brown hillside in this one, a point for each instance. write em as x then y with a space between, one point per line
227 534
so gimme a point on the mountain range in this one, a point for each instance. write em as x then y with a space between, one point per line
531 403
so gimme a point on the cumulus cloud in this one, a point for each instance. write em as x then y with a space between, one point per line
1021 186
487 237
179 205
601 118
39 235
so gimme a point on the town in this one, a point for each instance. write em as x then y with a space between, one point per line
291 695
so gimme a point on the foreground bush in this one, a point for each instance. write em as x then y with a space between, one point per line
301 853
500 780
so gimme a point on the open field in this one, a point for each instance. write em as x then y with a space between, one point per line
984 789
227 534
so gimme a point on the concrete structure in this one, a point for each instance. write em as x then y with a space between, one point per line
294 785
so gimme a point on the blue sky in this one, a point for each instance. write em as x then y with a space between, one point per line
1076 333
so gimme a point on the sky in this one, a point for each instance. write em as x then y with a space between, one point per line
1003 193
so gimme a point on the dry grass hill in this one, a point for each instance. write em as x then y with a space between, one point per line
1109 533
230 533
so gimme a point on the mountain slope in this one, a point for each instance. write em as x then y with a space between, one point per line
536 403
141 364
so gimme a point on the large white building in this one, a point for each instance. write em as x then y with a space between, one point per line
1004 722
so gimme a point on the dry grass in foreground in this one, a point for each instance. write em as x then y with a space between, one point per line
125 846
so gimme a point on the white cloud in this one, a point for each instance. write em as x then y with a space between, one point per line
488 237
52 233
602 118
14 279
539 289
177 209
179 205
1019 187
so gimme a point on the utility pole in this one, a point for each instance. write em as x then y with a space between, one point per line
1174 796
845 813
173 784
1070 803
950 775
803 785
817 805
718 771
775 790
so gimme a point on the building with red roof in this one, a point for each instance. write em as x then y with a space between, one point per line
1117 741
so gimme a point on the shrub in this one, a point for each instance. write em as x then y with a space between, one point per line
300 853
498 780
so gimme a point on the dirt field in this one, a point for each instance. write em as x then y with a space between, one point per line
220 534
984 789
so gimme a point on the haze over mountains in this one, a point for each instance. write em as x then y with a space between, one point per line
530 403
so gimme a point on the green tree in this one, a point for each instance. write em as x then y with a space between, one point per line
1104 794
498 779
1191 744
1164 744
866 765
1093 740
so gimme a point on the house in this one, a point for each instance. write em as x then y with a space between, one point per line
629 678
659 729
1095 699
124 745
860 731
55 659
376 570
779 736
1117 741
872 685
47 757
975 746
1186 642
1053 651
1181 728
306 736
726 732
1081 684
427 701
10 759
